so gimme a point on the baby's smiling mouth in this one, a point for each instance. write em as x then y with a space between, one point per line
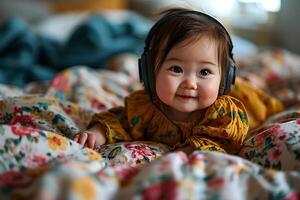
186 96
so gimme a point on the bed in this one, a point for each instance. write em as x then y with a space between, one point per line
53 81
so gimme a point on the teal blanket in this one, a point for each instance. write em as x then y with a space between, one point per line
26 56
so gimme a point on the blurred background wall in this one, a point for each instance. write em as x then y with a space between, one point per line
288 25
264 22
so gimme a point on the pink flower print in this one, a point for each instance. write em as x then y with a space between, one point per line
61 155
162 190
24 120
272 131
274 155
272 76
103 175
15 179
293 196
197 157
260 137
17 109
283 136
25 148
182 156
139 149
22 130
276 131
126 172
60 82
96 104
35 160
165 164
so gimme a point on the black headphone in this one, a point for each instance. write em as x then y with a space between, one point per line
145 70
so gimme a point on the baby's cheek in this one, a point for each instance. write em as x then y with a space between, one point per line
166 91
166 86
209 92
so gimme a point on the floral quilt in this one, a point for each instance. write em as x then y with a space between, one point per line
38 160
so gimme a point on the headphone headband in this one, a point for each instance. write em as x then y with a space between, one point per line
182 13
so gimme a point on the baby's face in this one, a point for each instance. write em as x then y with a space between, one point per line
190 76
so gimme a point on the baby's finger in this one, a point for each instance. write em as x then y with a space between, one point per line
91 140
83 138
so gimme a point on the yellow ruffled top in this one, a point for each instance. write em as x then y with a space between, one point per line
222 127
259 104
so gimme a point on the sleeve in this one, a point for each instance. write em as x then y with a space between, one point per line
115 122
126 123
225 125
259 104
272 104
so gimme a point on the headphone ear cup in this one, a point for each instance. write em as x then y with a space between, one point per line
231 74
142 71
145 74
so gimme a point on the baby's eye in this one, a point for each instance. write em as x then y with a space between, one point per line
205 72
175 69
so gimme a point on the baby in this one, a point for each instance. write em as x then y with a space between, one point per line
187 68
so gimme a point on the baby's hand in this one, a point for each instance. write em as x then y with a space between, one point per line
91 137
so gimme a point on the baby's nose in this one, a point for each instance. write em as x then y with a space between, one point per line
189 83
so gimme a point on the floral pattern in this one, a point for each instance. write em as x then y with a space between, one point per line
38 160
132 153
276 147
57 142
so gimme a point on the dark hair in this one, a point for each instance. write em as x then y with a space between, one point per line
178 28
